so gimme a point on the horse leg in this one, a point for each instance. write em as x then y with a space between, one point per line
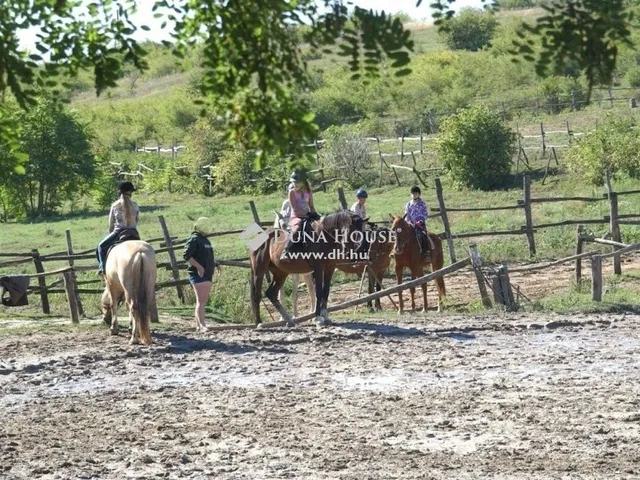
328 275
311 288
318 277
413 295
417 273
295 279
378 279
114 309
399 280
132 325
277 281
371 286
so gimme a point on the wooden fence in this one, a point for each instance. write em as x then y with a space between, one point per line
528 229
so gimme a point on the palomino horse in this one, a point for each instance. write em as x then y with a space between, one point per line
407 254
282 222
131 273
320 258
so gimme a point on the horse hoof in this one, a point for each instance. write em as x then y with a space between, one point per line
291 323
259 326
400 312
321 322
134 341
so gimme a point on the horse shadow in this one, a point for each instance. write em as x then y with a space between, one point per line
178 344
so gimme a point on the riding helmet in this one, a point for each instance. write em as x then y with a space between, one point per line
298 176
126 187
415 189
361 194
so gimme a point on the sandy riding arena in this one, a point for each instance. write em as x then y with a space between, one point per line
413 397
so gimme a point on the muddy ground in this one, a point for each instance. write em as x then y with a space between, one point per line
412 397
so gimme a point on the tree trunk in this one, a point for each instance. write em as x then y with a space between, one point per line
40 198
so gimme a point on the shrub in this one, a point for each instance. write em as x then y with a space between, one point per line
613 147
633 77
346 154
471 30
476 148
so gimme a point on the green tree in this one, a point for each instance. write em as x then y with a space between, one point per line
614 148
476 148
60 163
471 30
252 61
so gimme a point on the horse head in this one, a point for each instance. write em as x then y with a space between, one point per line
403 233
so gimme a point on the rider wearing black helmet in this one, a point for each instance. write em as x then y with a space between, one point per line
123 215
358 208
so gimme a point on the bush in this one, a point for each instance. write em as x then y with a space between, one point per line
476 148
633 77
346 154
471 30
516 4
614 147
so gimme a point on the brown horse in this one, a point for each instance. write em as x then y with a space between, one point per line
131 273
320 257
407 254
381 245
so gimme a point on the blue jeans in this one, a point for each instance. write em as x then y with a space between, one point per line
104 247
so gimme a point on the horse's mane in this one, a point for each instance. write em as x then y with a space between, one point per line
334 221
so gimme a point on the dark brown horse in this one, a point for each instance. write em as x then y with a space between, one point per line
378 261
320 257
407 254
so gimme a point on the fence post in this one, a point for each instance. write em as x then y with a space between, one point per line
502 290
579 244
402 147
421 142
381 159
445 220
573 100
70 253
70 289
610 97
315 144
528 215
569 133
476 262
596 278
172 256
614 226
343 200
44 297
544 143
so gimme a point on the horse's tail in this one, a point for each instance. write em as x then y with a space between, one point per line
437 262
259 264
141 301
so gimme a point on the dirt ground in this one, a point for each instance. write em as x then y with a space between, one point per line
412 397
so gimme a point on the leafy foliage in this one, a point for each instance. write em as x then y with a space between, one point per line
60 162
586 33
614 147
471 30
476 148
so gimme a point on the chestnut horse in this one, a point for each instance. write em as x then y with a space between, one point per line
319 258
131 273
378 261
407 254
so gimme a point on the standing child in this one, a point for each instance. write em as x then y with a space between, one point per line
198 253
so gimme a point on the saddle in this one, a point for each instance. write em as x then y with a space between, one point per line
304 232
126 235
